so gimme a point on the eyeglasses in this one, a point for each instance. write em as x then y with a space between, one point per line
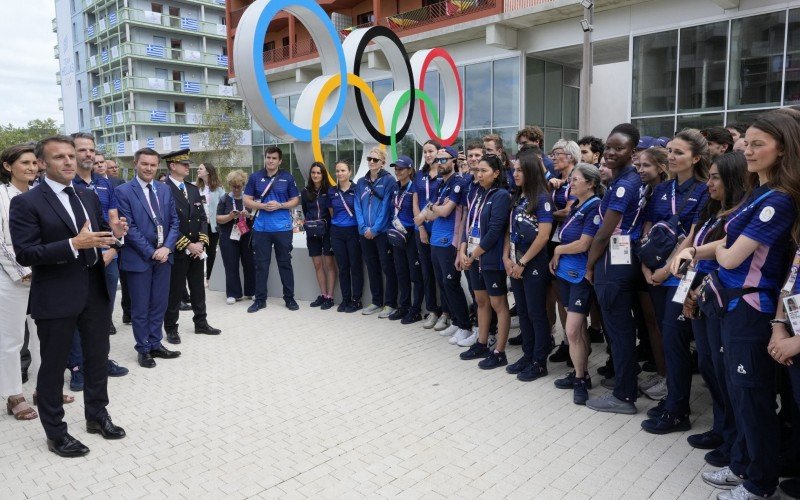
373 160
442 161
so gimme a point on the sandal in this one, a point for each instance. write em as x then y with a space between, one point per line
66 399
20 409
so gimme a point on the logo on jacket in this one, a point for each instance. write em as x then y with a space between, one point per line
578 303
740 369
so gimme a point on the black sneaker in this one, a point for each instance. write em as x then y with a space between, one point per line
718 458
398 314
327 303
668 422
494 360
112 330
477 351
353 306
532 372
256 306
515 340
343 306
126 319
649 367
561 354
291 304
580 391
607 370
658 409
565 383
320 300
411 317
595 335
518 366
708 440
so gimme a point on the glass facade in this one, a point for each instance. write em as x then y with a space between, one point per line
715 73
552 93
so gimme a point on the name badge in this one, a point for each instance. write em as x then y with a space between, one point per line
472 243
620 249
159 236
398 225
512 254
684 286
792 307
236 235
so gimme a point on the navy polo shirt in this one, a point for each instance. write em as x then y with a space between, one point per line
708 265
283 189
582 220
403 204
525 226
103 189
338 199
561 196
443 227
769 222
426 188
623 197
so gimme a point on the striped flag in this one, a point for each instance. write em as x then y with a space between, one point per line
188 23
109 121
224 140
104 56
191 87
222 60
155 50
158 116
120 148
112 19
150 142
184 141
94 92
90 30
117 85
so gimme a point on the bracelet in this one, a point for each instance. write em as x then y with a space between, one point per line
784 321
694 254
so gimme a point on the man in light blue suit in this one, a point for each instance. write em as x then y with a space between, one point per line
147 257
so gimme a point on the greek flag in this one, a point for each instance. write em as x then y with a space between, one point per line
219 2
154 50
117 85
158 116
222 60
224 140
112 19
188 23
120 148
104 56
94 92
191 87
150 143
184 141
109 121
90 30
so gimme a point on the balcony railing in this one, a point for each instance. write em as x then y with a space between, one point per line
512 5
437 12
152 51
182 24
161 85
146 117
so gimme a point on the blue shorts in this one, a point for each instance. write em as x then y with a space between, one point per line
319 246
576 297
489 281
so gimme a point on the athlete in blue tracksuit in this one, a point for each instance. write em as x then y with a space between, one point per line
374 193
344 239
613 268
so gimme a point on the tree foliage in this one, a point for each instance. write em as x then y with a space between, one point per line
224 124
34 131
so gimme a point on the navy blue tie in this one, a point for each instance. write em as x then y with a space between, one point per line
88 255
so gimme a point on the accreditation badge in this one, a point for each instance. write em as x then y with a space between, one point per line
684 286
398 225
236 235
159 236
791 305
620 249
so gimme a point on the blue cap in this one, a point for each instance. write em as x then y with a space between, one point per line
451 151
403 162
646 142
662 142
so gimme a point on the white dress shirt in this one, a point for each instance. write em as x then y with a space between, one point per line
63 197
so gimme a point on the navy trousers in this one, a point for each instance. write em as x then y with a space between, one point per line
234 252
262 246
676 334
428 276
149 292
530 295
347 251
449 278
409 274
377 254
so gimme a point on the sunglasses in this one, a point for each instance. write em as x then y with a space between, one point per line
442 161
373 160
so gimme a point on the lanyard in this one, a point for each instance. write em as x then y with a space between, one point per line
481 204
158 203
522 203
443 189
471 203
748 207
702 233
398 199
588 204
269 186
792 279
566 195
642 202
344 202
674 211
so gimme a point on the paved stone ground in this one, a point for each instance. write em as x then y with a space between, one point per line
325 404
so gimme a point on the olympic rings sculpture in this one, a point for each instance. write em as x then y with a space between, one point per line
339 95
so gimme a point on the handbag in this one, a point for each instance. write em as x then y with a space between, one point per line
396 238
663 237
316 228
713 298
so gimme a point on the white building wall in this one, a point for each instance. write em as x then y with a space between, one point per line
610 98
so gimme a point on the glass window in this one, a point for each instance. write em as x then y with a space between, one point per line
283 104
553 91
572 100
432 91
534 91
654 66
791 93
756 60
505 92
475 135
701 78
656 127
477 89
508 135
551 136
744 116
382 88
700 121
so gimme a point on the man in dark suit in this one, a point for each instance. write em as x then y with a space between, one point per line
190 252
57 231
148 256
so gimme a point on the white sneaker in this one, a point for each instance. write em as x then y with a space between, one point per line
387 311
459 336
442 323
470 340
741 493
649 381
449 331
492 341
514 322
658 391
723 478
370 309
430 321
230 300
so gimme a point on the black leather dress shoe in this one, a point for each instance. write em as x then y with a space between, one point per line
207 329
185 307
105 427
67 446
163 352
112 330
146 360
126 319
173 338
